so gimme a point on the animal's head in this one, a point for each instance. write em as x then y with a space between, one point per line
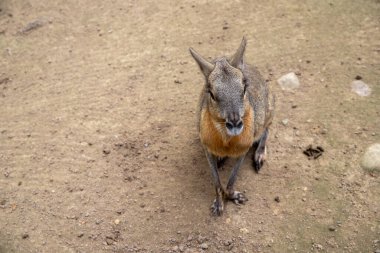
226 89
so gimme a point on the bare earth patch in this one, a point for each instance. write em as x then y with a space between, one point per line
98 144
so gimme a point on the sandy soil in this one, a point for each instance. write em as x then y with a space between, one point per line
98 143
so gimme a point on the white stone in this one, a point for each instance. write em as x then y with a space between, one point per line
204 246
360 88
289 81
371 158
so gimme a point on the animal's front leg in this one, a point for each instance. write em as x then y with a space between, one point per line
217 206
235 196
260 152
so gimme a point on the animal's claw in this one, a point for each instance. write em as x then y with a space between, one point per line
217 207
238 198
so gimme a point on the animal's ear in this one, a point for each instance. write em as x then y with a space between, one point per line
205 66
238 59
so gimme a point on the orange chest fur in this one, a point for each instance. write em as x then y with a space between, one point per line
214 138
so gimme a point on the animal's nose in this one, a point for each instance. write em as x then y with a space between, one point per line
234 123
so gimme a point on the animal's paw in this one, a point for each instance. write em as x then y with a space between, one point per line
258 164
238 198
217 207
259 158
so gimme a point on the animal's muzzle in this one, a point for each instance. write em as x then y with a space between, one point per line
234 126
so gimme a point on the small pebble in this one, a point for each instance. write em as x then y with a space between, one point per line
285 122
32 26
371 158
277 199
289 81
25 236
361 88
117 221
332 228
318 246
109 241
204 246
106 151
227 243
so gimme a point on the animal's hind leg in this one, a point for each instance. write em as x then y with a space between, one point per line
260 152
218 205
235 196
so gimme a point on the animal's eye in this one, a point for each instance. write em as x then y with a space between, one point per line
211 95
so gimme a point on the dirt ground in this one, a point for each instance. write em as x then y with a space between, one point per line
98 144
